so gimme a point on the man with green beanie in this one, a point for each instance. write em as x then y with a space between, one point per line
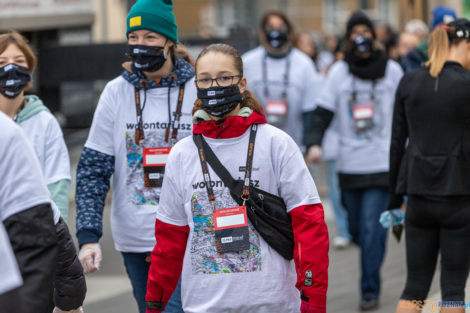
141 114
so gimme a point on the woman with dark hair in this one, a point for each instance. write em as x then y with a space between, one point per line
360 91
430 162
202 229
140 115
283 78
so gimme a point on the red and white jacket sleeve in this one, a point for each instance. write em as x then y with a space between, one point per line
171 232
167 264
311 243
311 255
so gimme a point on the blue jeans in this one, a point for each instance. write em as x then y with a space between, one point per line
341 216
364 207
137 269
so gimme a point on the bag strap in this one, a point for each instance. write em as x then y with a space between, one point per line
206 153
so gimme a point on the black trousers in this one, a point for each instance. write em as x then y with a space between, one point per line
436 224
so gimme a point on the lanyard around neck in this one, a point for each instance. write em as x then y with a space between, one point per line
286 77
139 133
248 167
354 91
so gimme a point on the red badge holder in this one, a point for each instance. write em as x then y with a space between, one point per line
363 116
154 165
276 112
231 229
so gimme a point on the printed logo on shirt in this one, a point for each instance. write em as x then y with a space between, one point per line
220 184
157 125
242 169
204 256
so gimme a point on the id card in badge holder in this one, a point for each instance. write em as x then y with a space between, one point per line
363 117
231 229
276 107
276 112
154 165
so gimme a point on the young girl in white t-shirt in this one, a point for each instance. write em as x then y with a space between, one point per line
239 272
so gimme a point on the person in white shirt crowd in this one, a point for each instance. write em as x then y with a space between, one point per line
326 57
202 229
140 115
17 62
360 92
39 237
283 78
305 43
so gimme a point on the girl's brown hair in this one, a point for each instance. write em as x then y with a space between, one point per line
21 42
248 98
439 45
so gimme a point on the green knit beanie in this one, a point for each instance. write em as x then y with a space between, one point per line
154 15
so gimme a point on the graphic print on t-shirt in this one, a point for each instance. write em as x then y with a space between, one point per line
137 192
204 256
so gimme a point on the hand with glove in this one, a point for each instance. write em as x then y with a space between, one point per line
57 310
90 257
308 308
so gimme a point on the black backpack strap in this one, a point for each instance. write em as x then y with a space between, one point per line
214 162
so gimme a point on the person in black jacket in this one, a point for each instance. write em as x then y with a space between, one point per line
430 162
360 92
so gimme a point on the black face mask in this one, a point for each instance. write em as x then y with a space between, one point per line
218 101
362 44
276 38
147 58
13 78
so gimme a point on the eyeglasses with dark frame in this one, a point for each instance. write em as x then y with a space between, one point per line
221 81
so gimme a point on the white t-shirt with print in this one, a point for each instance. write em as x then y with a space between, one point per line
22 183
368 152
303 89
45 134
257 280
133 210
9 272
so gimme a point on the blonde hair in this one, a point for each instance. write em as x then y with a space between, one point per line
439 46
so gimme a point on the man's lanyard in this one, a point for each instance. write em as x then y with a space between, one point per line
248 168
354 91
139 133
286 77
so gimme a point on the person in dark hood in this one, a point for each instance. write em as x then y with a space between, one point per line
360 91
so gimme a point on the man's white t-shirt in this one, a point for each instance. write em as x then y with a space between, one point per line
302 90
368 152
9 271
133 210
257 280
22 183
45 134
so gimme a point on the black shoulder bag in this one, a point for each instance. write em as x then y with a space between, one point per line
267 212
